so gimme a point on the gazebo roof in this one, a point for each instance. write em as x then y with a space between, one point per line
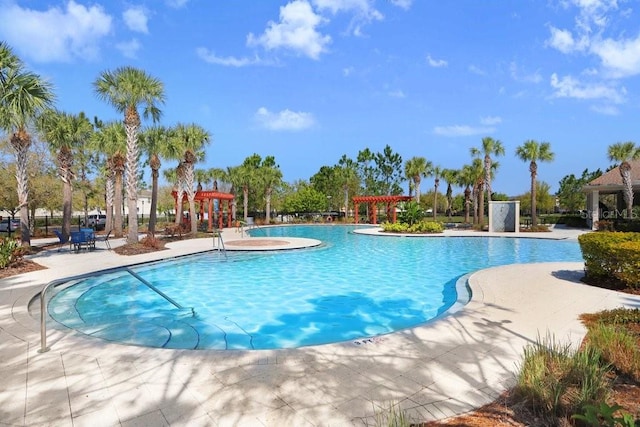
381 199
612 180
209 194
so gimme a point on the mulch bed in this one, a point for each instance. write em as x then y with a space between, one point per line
22 266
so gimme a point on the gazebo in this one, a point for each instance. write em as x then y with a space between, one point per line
208 197
610 183
391 203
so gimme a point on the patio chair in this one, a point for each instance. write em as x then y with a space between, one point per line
106 240
58 234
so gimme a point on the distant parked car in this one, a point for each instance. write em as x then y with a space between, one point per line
95 221
4 225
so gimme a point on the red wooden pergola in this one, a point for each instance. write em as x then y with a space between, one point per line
373 201
207 197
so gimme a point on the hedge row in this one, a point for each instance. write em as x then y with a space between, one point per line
612 255
422 227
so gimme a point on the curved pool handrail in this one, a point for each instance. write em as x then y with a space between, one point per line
43 297
43 301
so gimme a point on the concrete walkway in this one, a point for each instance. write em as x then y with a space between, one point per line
437 370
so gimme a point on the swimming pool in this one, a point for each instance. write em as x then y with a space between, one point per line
352 287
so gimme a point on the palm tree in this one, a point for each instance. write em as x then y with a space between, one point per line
623 153
489 147
476 169
111 139
64 133
450 176
436 171
23 95
270 176
533 151
157 142
415 169
348 175
466 178
192 139
125 89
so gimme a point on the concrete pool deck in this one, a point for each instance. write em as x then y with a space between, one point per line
437 370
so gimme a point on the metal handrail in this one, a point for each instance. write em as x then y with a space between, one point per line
43 302
57 282
220 246
249 227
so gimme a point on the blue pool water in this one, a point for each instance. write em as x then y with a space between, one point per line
352 287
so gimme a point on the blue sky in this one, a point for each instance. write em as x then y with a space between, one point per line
310 80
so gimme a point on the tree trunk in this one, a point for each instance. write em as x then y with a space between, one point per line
480 193
435 201
109 196
117 205
154 202
67 197
21 141
268 206
487 176
625 173
346 202
131 124
245 202
467 202
533 168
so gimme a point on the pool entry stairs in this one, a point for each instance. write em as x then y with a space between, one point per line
144 323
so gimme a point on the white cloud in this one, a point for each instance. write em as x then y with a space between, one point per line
569 87
462 130
230 61
363 10
477 70
56 34
296 31
397 94
347 71
436 62
404 4
286 120
176 4
491 120
620 57
519 76
129 49
136 19
608 110
563 41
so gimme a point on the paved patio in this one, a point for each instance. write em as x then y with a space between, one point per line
440 369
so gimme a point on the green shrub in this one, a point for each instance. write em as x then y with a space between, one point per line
421 227
427 227
411 214
600 259
10 252
627 256
395 227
